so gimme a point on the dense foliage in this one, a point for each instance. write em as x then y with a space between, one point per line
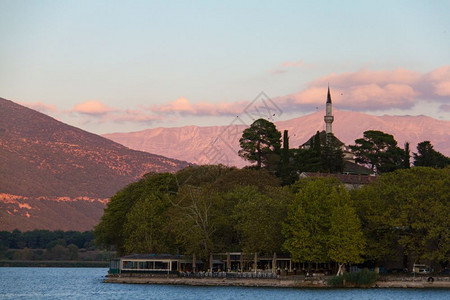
197 210
261 143
49 245
407 209
45 239
322 224
323 154
263 209
207 209
379 150
363 278
428 157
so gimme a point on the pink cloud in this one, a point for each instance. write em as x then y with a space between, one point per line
184 107
365 76
363 90
39 106
278 71
442 88
136 116
444 108
292 64
92 107
285 66
181 105
367 90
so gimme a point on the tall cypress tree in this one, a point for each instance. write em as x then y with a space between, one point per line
285 168
407 158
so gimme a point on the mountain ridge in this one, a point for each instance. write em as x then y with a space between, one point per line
43 159
190 142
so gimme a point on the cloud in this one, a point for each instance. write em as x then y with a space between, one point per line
365 76
444 108
41 107
92 108
362 90
367 90
288 64
285 66
437 82
183 106
134 116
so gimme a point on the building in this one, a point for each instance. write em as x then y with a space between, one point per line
329 118
353 175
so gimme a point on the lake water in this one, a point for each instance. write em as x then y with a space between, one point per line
87 283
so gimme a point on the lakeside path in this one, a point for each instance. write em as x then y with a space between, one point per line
281 283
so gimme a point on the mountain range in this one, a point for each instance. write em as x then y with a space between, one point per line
56 176
220 144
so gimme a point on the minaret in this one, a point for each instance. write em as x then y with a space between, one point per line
328 117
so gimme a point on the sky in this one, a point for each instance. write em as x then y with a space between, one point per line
120 66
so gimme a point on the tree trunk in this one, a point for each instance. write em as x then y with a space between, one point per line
340 269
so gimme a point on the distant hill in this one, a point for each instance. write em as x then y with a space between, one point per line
221 143
42 159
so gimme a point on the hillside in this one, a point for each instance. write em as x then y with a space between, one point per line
42 159
220 143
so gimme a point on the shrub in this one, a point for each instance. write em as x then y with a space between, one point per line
363 278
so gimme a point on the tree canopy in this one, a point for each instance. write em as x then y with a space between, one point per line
408 208
428 157
322 153
379 151
261 143
322 224
214 208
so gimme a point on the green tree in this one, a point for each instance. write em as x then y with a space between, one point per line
58 252
428 157
287 173
261 143
322 153
407 158
409 207
379 150
145 229
225 237
72 250
193 219
258 217
110 231
375 213
332 157
307 160
346 242
307 228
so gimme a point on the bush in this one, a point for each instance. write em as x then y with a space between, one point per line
363 278
336 281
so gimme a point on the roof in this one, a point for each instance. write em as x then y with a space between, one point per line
344 178
355 169
323 136
151 256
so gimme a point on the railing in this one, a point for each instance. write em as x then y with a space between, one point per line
262 275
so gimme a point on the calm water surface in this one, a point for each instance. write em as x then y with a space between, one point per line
87 283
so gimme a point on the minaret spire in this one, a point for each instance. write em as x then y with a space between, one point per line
329 95
329 118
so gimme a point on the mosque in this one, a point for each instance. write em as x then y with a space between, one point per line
353 175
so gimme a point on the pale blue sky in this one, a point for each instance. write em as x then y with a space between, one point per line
143 56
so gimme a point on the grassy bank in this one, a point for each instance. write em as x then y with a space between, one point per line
54 263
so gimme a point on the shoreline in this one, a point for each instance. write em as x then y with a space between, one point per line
443 283
53 264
